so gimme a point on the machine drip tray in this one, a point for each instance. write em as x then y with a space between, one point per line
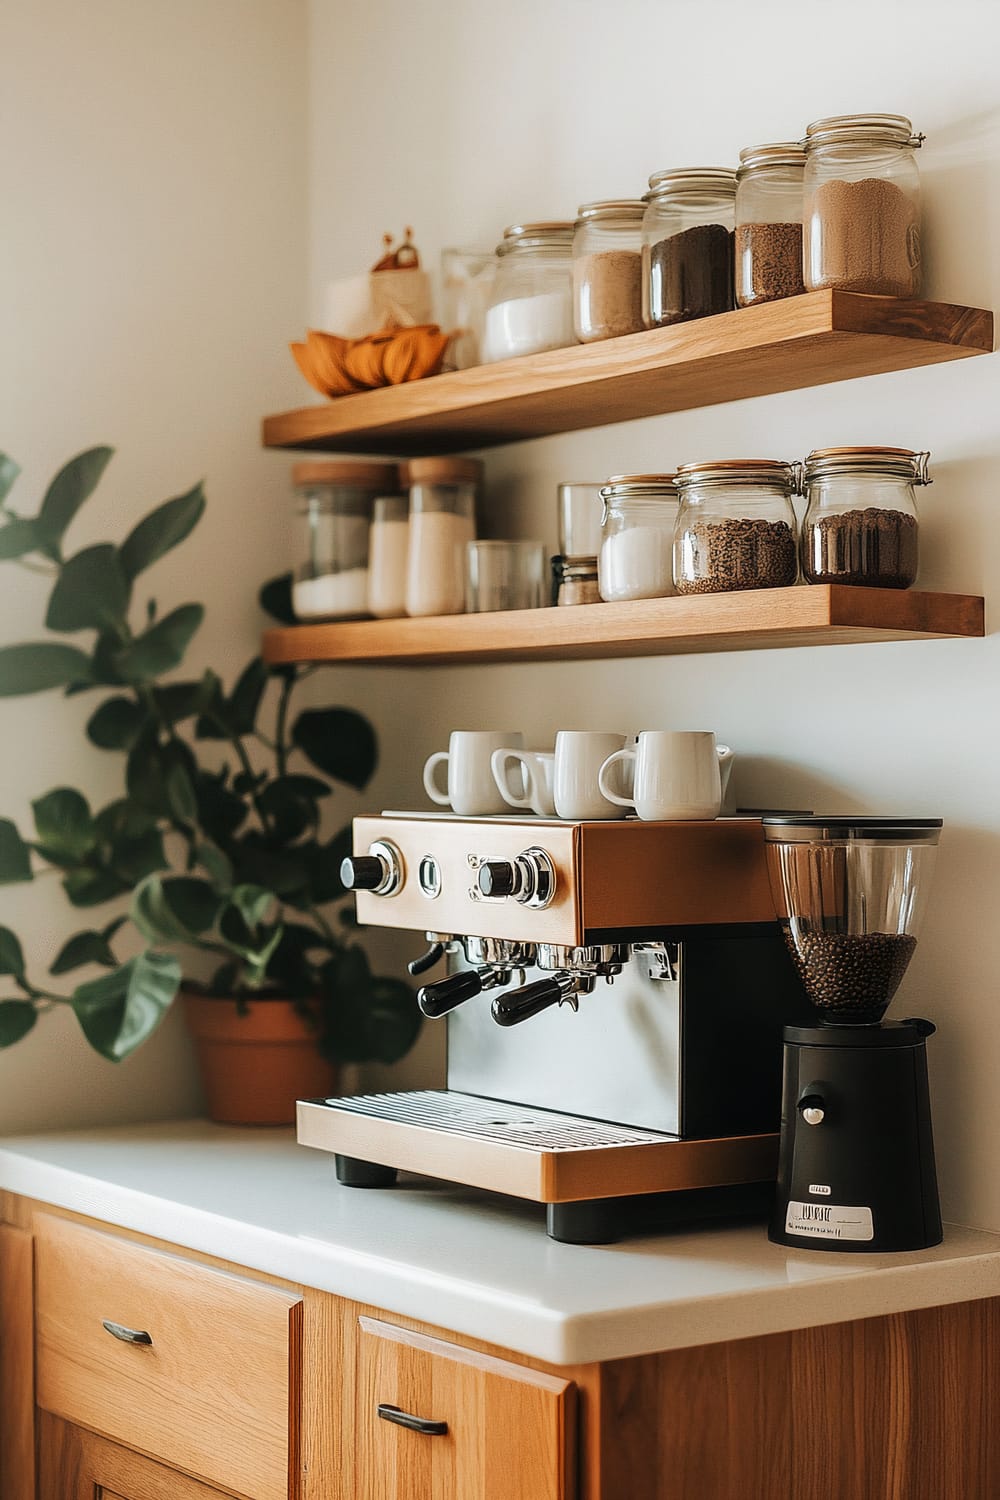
537 1154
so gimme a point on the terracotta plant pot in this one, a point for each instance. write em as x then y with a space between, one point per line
256 1064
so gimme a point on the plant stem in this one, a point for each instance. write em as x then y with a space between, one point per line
281 724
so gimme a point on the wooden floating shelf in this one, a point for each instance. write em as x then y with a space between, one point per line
802 341
817 615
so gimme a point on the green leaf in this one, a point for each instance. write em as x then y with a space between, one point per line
72 485
365 1017
251 901
180 794
220 811
38 666
216 865
64 824
121 1010
121 821
275 599
15 859
246 696
9 471
11 956
162 646
17 1017
84 948
161 530
18 538
176 910
339 742
92 887
90 593
176 701
117 724
323 863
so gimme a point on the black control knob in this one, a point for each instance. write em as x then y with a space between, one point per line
520 1005
438 999
812 1108
498 877
363 872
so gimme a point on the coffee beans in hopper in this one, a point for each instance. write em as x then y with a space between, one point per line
851 976
739 553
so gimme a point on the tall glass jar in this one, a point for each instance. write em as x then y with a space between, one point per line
862 205
636 537
768 244
687 245
333 514
736 526
442 523
607 269
531 303
388 551
860 524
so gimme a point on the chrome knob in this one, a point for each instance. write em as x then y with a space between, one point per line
380 870
530 879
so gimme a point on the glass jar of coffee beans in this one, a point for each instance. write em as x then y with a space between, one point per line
768 245
860 524
687 245
736 526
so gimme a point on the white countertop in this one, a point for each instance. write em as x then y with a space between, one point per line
468 1261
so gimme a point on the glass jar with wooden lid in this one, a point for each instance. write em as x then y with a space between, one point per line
861 224
607 269
333 514
442 522
687 238
768 243
636 537
531 304
860 524
736 526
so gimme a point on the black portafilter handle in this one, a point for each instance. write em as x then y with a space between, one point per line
426 960
530 1000
362 872
439 998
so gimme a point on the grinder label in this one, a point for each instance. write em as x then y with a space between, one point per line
829 1221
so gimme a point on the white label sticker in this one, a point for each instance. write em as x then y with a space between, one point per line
820 1189
829 1221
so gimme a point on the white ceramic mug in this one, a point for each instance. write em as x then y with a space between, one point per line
536 775
471 792
676 774
579 756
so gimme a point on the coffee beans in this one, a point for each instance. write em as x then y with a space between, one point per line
714 557
851 977
768 262
871 546
691 275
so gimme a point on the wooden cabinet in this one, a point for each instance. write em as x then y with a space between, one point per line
436 1421
79 1465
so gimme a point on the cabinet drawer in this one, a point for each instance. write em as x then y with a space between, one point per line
509 1431
215 1392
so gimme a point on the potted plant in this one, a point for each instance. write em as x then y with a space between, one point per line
215 847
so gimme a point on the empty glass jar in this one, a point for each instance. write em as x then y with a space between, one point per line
687 237
334 514
860 524
862 205
768 243
607 269
736 526
636 537
531 303
442 523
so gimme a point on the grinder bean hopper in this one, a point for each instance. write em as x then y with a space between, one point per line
856 1162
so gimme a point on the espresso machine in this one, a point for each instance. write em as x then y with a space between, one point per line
614 1000
856 1168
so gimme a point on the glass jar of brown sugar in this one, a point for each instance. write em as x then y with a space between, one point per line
736 526
860 524
607 269
861 222
768 244
687 245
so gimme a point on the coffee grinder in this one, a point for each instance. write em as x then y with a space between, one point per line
856 1159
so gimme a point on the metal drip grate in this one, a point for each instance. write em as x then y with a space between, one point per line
493 1120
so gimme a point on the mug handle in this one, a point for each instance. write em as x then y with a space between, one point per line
726 758
433 791
499 762
618 755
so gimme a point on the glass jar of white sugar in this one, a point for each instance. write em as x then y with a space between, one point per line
637 534
442 523
531 306
334 513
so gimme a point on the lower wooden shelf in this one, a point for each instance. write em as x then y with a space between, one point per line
817 615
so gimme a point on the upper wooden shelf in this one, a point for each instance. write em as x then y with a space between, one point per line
808 615
803 341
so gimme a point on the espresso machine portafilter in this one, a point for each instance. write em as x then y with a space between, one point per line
614 997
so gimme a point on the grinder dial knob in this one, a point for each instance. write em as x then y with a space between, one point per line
530 878
380 870
812 1108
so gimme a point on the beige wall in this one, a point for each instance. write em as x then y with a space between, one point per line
152 263
460 116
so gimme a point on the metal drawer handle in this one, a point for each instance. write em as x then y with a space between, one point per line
127 1335
407 1419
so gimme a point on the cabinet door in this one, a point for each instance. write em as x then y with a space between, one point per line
78 1465
17 1373
439 1422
